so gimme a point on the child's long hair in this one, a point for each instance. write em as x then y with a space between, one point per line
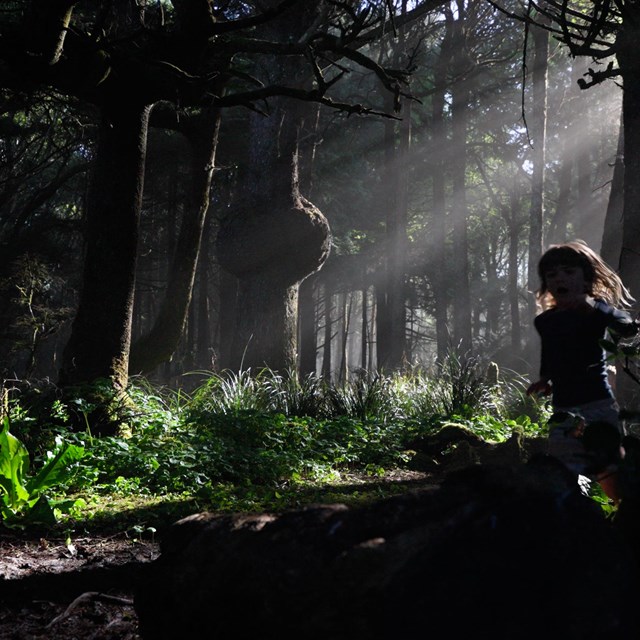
602 281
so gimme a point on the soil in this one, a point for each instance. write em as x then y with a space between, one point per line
83 589
55 589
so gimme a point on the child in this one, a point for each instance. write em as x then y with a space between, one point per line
579 294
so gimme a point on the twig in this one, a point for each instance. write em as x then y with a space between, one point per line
88 596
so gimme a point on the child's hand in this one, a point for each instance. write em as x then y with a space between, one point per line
541 387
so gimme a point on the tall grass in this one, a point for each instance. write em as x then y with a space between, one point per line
458 386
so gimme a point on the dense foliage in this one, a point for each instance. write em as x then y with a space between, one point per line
264 435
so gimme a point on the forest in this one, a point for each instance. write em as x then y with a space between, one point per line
434 162
254 251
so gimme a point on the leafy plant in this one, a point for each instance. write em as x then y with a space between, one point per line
22 499
263 434
626 353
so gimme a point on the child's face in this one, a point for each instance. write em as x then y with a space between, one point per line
567 284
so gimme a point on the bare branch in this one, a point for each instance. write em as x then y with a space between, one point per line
249 98
598 77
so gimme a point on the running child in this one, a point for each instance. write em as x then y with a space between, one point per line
582 299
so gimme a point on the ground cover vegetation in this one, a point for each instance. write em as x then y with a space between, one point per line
240 441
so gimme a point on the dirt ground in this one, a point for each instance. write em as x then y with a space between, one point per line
84 589
81 590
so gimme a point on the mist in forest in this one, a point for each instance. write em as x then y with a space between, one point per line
429 207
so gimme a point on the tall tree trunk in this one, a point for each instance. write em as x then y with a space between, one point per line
275 238
204 278
387 200
345 321
161 342
460 95
613 223
583 212
629 63
308 327
396 258
327 365
537 127
101 333
437 242
271 242
564 209
512 286
495 296
364 329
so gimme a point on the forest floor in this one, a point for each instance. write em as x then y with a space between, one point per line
82 588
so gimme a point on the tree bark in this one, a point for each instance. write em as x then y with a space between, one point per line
160 343
564 209
101 332
327 365
537 126
271 242
630 253
438 232
387 200
364 330
613 223
460 95
399 246
308 330
512 286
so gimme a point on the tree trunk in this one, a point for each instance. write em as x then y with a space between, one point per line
630 254
460 95
384 287
613 223
327 365
308 327
274 239
564 209
364 330
437 242
537 126
344 323
101 332
494 297
203 288
268 309
397 235
583 212
512 287
160 343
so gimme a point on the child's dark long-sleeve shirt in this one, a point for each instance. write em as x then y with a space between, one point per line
572 357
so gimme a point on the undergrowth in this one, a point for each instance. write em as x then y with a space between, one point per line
255 440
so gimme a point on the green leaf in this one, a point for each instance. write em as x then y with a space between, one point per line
14 463
40 513
56 469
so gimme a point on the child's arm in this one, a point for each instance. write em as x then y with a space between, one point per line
618 321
